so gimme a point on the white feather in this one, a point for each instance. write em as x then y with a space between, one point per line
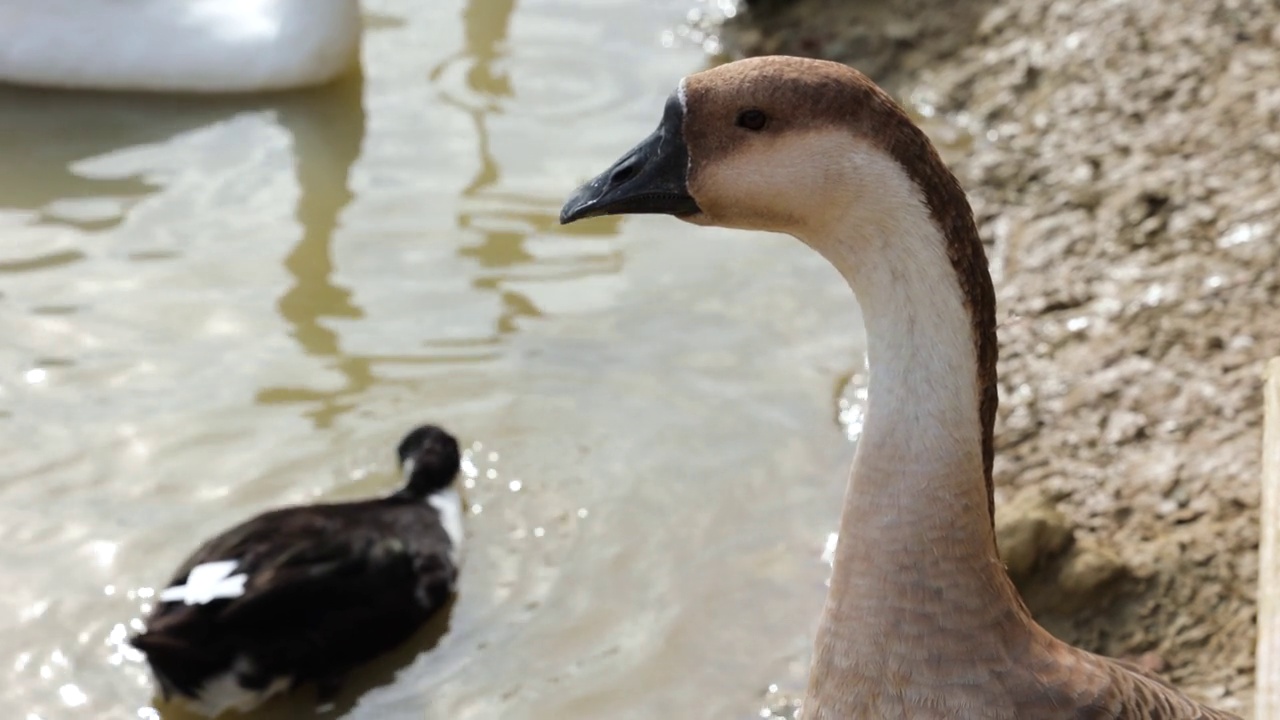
224 692
207 582
448 503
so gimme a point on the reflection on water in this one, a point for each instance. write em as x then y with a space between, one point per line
485 28
327 126
41 263
41 176
213 306
506 221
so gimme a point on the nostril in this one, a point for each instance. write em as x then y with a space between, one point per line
623 174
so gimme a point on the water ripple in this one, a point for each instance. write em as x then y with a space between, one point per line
546 80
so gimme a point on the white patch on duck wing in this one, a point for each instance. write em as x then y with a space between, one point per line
448 503
207 582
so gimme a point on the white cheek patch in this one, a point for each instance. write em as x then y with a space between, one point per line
207 582
681 95
449 504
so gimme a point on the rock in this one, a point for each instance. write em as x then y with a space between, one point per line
1056 574
1088 569
1030 530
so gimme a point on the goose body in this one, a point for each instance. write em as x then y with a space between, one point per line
921 620
209 46
307 593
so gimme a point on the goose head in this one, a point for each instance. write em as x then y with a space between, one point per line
816 150
429 459
778 143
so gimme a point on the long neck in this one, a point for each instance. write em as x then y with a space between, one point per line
916 575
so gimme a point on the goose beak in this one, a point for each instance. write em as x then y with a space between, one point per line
650 179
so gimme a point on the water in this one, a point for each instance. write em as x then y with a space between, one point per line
211 307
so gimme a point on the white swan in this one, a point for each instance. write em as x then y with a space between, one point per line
203 46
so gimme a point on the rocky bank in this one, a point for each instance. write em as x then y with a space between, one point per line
1123 161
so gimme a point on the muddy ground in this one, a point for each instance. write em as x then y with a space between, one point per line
1123 161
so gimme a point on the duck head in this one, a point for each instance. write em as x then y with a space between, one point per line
429 459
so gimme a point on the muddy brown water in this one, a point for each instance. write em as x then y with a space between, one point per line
212 307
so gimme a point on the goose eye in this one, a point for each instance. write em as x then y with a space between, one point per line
752 119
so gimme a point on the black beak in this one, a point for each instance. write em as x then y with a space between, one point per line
652 178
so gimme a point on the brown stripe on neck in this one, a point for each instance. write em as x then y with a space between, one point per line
951 211
879 117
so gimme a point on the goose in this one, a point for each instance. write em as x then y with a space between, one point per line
921 619
307 593
200 46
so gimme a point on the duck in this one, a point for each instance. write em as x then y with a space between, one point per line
307 593
921 619
194 46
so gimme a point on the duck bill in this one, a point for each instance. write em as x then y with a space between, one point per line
650 179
